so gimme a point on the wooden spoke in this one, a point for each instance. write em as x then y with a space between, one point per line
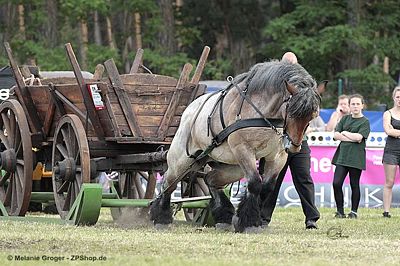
4 179
62 150
67 201
6 123
17 141
70 146
138 185
63 188
13 129
16 137
131 184
66 136
193 187
4 140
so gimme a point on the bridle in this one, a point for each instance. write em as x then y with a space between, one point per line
285 134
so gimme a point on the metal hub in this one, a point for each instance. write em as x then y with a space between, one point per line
66 169
8 160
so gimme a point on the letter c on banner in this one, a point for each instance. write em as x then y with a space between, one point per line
4 94
287 197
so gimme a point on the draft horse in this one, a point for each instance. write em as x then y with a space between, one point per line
261 115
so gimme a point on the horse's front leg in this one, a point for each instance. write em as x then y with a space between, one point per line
247 217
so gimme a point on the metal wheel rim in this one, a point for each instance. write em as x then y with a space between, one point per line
17 195
70 142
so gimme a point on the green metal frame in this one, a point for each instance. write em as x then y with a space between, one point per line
86 208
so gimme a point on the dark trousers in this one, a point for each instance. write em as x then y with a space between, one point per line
299 164
338 180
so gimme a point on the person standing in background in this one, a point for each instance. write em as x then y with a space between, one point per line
349 158
299 164
391 153
316 125
342 109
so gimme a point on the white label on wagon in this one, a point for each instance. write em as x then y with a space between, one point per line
95 92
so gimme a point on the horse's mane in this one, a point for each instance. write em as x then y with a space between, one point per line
271 76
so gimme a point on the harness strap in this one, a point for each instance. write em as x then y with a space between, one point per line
195 118
245 123
252 105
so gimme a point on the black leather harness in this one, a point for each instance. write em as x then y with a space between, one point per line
219 138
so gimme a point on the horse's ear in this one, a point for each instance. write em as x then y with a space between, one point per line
292 89
322 86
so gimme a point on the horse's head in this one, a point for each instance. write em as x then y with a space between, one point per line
301 108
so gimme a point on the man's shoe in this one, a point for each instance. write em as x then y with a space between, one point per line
386 215
352 215
340 215
310 224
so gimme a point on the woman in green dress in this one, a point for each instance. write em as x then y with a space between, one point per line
352 131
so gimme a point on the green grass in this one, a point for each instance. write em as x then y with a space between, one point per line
369 240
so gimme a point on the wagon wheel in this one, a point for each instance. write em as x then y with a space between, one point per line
70 162
130 186
193 186
16 158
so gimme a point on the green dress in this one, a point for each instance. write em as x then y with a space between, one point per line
352 154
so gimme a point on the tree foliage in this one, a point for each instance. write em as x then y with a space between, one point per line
332 39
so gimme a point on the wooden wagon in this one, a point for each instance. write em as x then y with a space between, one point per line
76 128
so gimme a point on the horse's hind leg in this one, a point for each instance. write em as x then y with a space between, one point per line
160 208
221 207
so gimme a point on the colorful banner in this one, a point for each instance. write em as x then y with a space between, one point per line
372 181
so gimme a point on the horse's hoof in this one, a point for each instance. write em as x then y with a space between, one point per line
223 227
162 227
253 230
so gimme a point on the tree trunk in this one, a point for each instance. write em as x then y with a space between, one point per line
354 59
110 38
125 58
84 44
21 21
138 31
96 25
242 56
167 35
51 23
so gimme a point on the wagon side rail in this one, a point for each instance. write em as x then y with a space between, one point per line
183 80
91 110
25 98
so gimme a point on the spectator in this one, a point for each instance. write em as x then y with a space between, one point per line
299 164
349 158
391 153
316 125
342 109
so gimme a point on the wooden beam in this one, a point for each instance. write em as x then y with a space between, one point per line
123 97
56 101
137 62
200 65
98 72
24 96
87 98
48 120
197 91
73 108
173 104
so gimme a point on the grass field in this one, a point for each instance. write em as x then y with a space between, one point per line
369 240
